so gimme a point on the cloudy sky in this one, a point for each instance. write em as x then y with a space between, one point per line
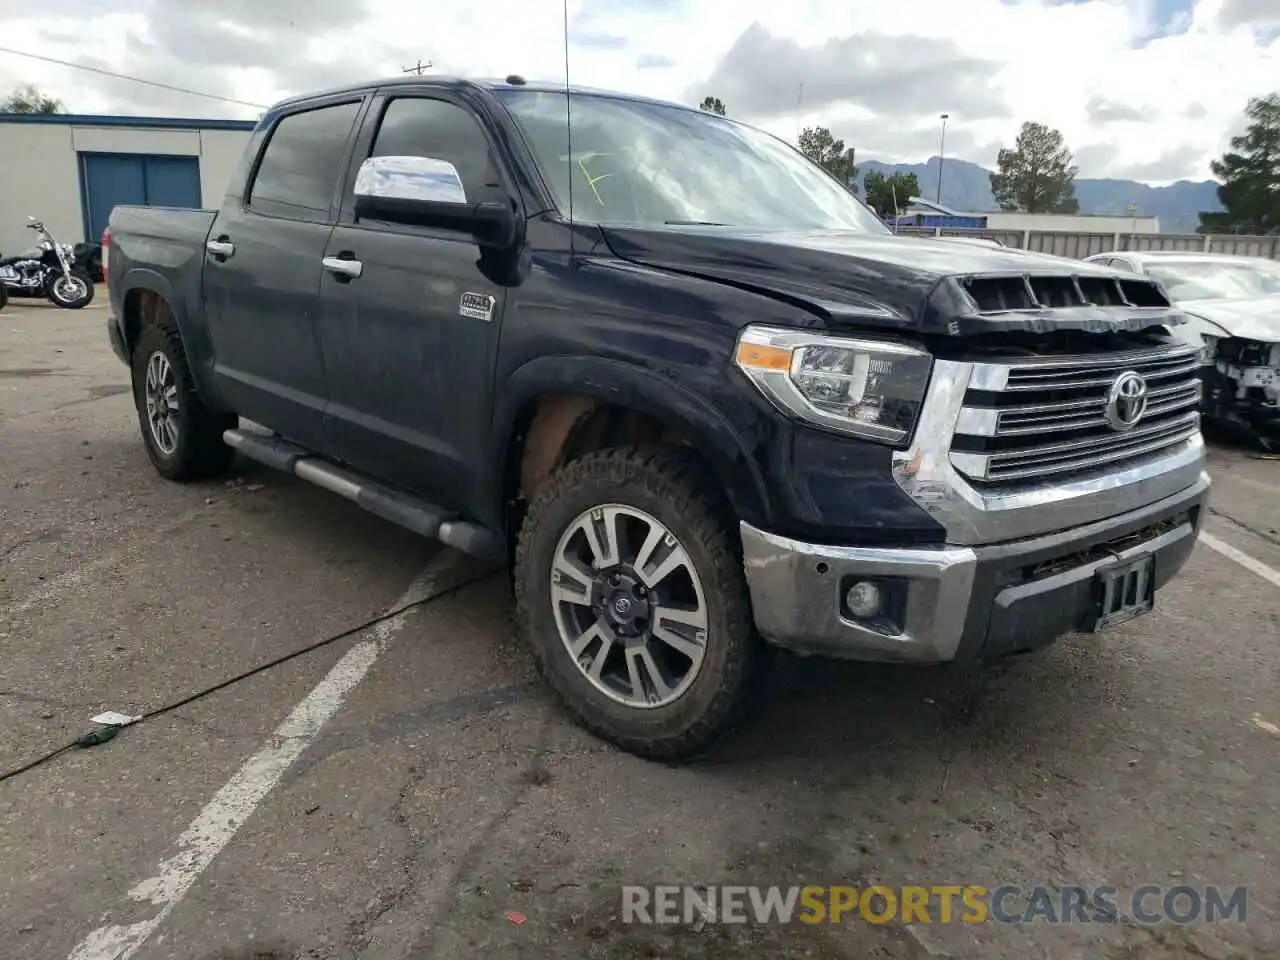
1142 89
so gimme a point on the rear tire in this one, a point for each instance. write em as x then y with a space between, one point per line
183 438
670 515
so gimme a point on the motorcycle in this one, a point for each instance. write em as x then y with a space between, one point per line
55 271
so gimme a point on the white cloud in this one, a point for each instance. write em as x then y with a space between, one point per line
1173 97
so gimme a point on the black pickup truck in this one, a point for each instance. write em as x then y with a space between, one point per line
685 384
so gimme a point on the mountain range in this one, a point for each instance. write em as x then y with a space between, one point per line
967 187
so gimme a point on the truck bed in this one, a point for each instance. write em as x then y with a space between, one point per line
165 241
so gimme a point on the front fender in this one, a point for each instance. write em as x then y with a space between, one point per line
646 392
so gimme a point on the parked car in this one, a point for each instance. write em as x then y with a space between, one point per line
699 423
1234 306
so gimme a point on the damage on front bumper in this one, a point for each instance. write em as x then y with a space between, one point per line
957 602
1242 385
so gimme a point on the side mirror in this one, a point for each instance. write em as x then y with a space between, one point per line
426 191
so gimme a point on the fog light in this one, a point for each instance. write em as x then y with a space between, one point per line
863 599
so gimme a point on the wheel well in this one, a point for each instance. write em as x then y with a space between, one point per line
142 307
554 429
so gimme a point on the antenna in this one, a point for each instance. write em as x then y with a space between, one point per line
568 121
893 189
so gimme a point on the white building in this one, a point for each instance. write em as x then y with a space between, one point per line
70 170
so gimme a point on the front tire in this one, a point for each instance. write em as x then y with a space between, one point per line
72 292
631 593
183 438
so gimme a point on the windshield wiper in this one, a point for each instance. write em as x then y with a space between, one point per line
693 223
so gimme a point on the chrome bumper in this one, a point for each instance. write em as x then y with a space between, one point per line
955 602
796 596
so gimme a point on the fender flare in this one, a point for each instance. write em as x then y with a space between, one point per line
649 393
194 337
142 279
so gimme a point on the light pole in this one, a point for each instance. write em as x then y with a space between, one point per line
942 154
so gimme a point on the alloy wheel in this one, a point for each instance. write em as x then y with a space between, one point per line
160 392
629 606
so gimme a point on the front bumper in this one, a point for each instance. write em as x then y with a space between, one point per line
957 602
116 337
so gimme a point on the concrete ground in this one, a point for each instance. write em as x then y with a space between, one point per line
445 791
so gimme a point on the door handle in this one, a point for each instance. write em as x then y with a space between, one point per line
351 269
221 249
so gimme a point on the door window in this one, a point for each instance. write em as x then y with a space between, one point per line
302 163
419 127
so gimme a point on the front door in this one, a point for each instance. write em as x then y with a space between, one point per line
411 342
262 275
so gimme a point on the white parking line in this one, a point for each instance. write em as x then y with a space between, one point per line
231 806
1240 557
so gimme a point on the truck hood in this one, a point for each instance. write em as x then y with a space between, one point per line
1251 318
892 282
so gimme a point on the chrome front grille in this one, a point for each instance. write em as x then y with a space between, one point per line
1047 417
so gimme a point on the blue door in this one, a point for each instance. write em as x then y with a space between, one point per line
108 179
172 181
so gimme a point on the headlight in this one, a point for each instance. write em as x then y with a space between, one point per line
865 388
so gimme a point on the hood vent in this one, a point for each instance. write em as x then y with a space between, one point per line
1038 292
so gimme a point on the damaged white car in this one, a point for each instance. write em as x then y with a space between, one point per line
1234 308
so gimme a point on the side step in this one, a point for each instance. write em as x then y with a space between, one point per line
405 509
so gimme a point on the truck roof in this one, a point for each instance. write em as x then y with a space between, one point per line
455 83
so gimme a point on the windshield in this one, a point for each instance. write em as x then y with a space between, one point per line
1217 279
645 163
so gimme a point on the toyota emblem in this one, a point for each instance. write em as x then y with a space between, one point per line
1126 401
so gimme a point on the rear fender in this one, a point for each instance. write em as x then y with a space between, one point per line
193 332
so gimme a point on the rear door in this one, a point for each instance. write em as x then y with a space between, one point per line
262 272
411 342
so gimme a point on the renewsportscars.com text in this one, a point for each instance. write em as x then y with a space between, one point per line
935 904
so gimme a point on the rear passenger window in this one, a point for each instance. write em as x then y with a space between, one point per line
302 163
417 127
